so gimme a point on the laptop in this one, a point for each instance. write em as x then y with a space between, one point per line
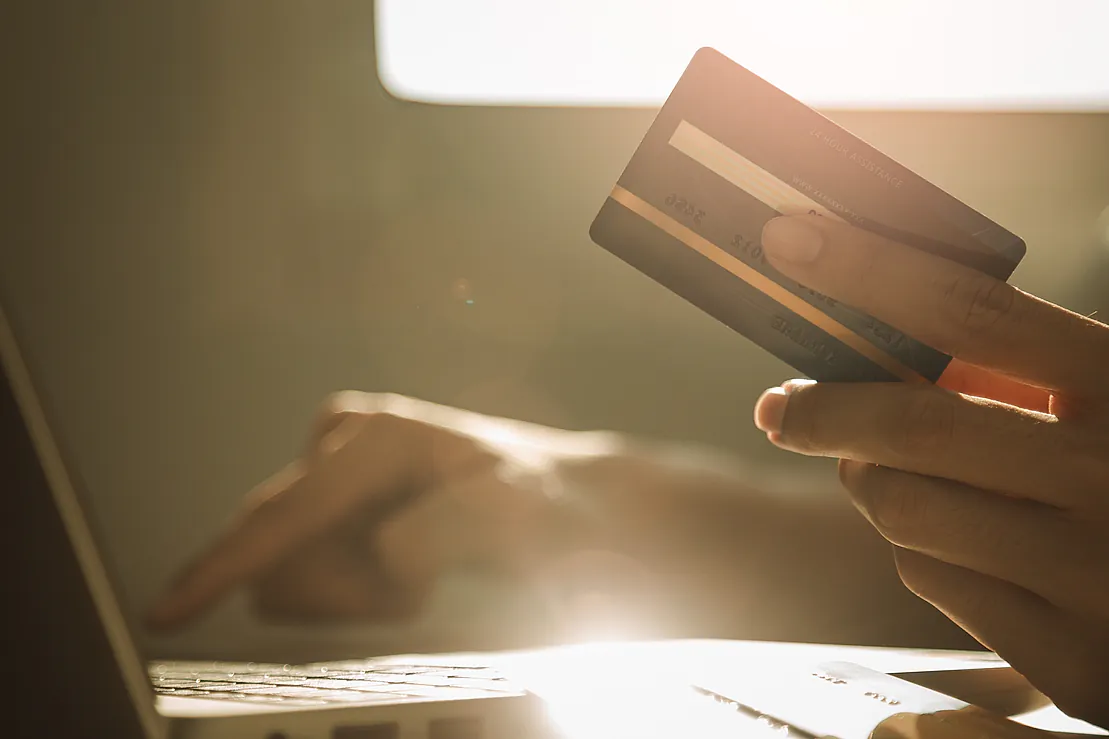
79 672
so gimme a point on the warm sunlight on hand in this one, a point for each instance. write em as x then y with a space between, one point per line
995 490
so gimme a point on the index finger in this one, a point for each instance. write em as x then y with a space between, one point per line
294 505
957 310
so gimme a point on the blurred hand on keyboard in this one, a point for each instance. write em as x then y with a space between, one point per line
390 493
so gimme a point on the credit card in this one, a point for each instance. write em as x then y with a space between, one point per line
841 700
727 152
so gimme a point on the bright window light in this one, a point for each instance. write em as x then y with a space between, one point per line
950 54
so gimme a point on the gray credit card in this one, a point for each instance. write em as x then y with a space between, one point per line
833 700
728 152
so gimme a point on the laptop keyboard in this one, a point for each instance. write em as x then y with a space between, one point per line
326 684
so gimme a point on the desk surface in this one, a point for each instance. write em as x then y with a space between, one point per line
719 658
698 660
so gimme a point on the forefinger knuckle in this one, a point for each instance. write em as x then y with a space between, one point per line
920 426
896 506
919 574
976 305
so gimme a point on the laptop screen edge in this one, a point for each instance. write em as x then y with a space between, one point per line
68 504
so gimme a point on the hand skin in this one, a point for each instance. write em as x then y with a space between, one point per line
392 493
993 487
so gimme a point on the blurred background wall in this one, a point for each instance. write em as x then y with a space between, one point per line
216 215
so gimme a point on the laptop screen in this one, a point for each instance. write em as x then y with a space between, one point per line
69 641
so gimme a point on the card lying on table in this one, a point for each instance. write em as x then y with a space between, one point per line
728 152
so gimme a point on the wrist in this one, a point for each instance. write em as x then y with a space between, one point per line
588 582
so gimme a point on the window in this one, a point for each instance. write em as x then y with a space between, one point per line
948 54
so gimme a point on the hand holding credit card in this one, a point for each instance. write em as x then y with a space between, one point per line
989 474
727 153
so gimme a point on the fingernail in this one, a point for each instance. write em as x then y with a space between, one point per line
790 385
770 409
792 239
